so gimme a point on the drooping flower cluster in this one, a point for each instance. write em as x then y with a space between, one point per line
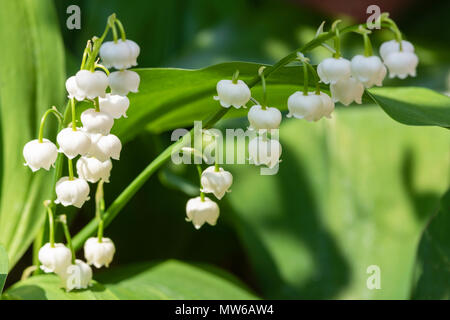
347 81
91 142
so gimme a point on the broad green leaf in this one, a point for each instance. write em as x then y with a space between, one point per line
32 80
3 267
433 265
146 281
172 98
351 192
48 287
414 105
173 280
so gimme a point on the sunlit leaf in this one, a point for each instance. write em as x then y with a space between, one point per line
414 105
146 281
173 98
32 80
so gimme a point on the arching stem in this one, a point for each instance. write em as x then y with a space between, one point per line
97 65
51 223
121 29
315 75
305 79
199 170
74 114
63 220
235 77
86 54
263 85
368 50
99 209
97 104
70 166
337 40
58 115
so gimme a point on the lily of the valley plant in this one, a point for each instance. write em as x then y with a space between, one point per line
88 141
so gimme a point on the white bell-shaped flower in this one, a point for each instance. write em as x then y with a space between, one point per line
40 154
96 121
327 106
72 192
54 259
92 170
391 46
124 81
105 147
73 89
332 70
99 253
232 94
216 182
347 91
120 54
115 105
92 84
369 71
135 50
401 64
199 212
264 119
76 276
73 143
263 151
309 107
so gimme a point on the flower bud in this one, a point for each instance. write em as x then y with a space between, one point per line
124 81
401 64
73 143
309 107
369 71
92 84
92 170
54 259
216 182
347 91
264 151
199 212
73 89
96 121
391 46
264 119
232 94
99 253
105 147
40 154
116 106
72 192
332 70
76 276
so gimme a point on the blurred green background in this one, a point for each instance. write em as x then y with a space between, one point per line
351 192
